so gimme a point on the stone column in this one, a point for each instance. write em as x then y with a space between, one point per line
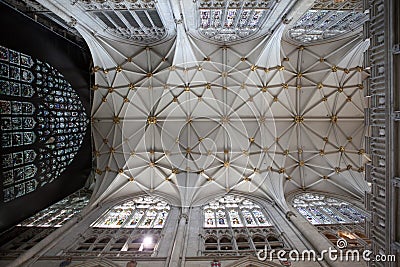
177 248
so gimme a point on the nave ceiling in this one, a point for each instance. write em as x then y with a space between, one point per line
188 118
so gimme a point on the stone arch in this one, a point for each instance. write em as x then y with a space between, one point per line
90 240
211 239
121 239
242 242
225 239
104 239
272 238
225 242
111 218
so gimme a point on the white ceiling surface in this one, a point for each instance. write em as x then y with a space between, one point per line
190 120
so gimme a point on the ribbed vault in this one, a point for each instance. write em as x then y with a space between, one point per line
187 120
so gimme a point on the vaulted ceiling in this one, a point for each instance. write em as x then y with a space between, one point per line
194 109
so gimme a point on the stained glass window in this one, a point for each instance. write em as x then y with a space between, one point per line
232 20
59 213
321 209
34 229
42 124
232 211
224 228
141 212
327 19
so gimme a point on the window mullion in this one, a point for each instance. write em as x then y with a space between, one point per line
228 220
129 218
249 239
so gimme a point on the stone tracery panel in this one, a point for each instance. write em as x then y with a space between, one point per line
321 209
141 212
112 242
233 212
328 19
132 20
235 225
227 21
132 228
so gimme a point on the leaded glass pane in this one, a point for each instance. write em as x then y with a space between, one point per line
221 219
262 221
59 213
149 219
235 212
3 53
14 57
135 219
142 212
4 70
248 218
319 209
160 221
5 107
235 219
209 218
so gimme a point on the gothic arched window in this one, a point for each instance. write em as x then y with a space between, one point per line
235 212
141 212
234 224
133 226
321 209
59 213
32 230
334 218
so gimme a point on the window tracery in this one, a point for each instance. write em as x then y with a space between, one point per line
133 227
328 19
59 213
321 209
42 123
233 212
113 242
237 225
32 230
334 218
141 212
232 20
